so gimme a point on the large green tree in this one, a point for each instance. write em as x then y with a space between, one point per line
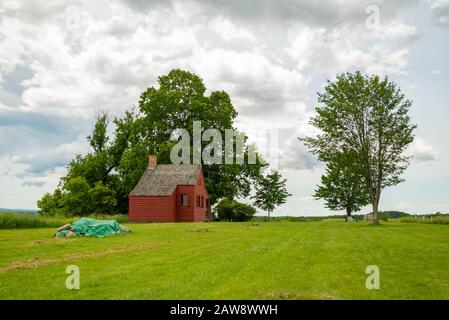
89 186
179 101
367 117
115 164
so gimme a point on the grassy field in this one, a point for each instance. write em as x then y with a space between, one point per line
276 260
14 220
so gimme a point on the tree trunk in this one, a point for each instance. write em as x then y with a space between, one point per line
268 216
376 211
348 214
375 197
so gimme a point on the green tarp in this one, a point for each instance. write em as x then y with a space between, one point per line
94 228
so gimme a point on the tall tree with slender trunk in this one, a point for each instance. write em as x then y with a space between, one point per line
271 191
367 117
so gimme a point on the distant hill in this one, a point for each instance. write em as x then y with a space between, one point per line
392 214
18 210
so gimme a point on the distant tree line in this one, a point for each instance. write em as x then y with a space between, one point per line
383 215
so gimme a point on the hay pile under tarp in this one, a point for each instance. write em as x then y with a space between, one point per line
91 228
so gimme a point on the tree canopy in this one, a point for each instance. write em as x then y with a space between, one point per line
271 191
112 168
342 188
367 118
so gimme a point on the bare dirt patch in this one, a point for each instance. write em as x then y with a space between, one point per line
36 243
297 296
35 263
199 230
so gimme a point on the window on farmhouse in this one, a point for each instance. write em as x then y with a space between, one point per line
198 201
184 200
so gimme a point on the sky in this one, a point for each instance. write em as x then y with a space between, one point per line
62 61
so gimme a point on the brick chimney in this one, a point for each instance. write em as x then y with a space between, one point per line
152 162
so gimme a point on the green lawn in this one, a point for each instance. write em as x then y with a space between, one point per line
277 260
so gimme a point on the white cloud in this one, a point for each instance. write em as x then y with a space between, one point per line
43 162
422 151
24 192
342 49
396 30
440 12
403 206
107 62
295 155
229 32
252 80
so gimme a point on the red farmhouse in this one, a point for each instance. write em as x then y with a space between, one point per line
170 192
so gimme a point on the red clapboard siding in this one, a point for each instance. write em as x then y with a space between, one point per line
152 208
200 212
185 213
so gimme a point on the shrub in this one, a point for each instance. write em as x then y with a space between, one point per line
231 210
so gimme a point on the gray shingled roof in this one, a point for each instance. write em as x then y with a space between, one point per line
163 180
